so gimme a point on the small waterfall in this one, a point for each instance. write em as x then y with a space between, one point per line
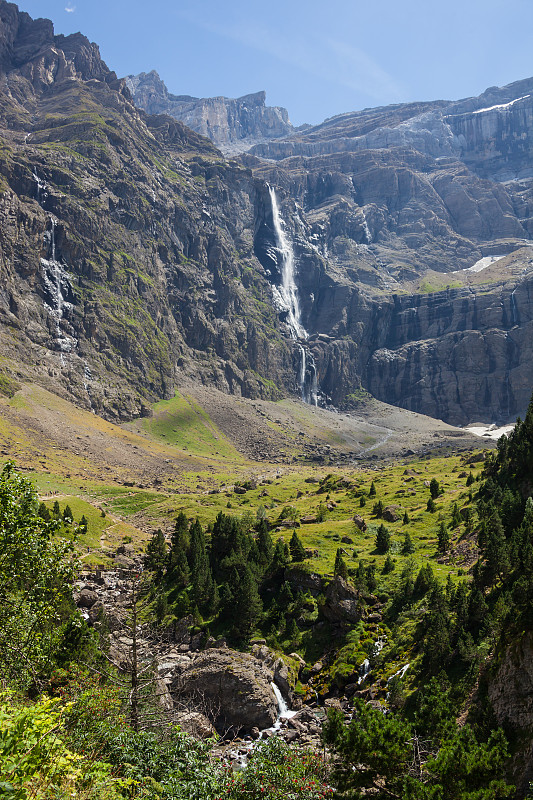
57 289
41 192
515 319
87 378
287 301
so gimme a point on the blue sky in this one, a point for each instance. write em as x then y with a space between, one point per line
315 58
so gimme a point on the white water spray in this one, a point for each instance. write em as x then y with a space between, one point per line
57 286
286 300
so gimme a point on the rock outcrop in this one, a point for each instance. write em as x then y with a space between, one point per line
233 687
234 125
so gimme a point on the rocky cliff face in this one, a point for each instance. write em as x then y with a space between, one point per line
126 240
135 257
234 125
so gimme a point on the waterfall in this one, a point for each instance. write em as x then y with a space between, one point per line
514 310
57 289
287 301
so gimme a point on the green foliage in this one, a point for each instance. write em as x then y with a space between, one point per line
372 491
434 488
443 539
296 547
156 553
383 539
340 567
382 756
407 545
36 574
431 507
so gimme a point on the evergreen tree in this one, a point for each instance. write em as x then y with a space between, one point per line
372 492
156 553
265 544
247 605
56 511
408 547
281 557
178 565
362 501
456 516
370 575
68 516
383 540
84 524
406 519
44 512
296 547
443 538
425 580
434 488
340 567
470 479
388 566
431 507
201 577
377 509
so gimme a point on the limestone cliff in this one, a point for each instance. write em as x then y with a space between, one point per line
232 124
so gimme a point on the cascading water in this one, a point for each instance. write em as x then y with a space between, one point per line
286 300
58 289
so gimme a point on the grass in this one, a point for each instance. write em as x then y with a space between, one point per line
181 422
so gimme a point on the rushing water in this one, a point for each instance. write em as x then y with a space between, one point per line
286 300
58 289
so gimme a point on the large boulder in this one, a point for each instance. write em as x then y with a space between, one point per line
342 602
231 688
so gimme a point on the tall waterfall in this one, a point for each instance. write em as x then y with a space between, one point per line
58 289
287 301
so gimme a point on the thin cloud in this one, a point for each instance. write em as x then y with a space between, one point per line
325 58
70 9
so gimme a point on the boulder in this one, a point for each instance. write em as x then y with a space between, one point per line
342 602
87 598
391 513
233 689
359 521
304 581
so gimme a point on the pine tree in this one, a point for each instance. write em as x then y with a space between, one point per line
377 510
296 547
265 544
434 488
247 605
156 553
68 516
84 524
340 567
408 547
431 507
443 539
406 519
388 566
56 511
44 513
362 501
383 540
372 492
178 566
201 577
281 557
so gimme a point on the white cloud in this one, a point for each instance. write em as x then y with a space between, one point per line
70 9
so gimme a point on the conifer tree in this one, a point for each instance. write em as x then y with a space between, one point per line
372 491
296 547
443 539
281 557
68 516
247 605
377 509
434 488
406 519
431 507
156 553
383 539
340 567
408 547
178 566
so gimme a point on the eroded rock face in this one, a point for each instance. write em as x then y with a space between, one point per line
510 692
234 689
221 119
342 602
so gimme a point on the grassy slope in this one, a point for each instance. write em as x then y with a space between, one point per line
202 467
